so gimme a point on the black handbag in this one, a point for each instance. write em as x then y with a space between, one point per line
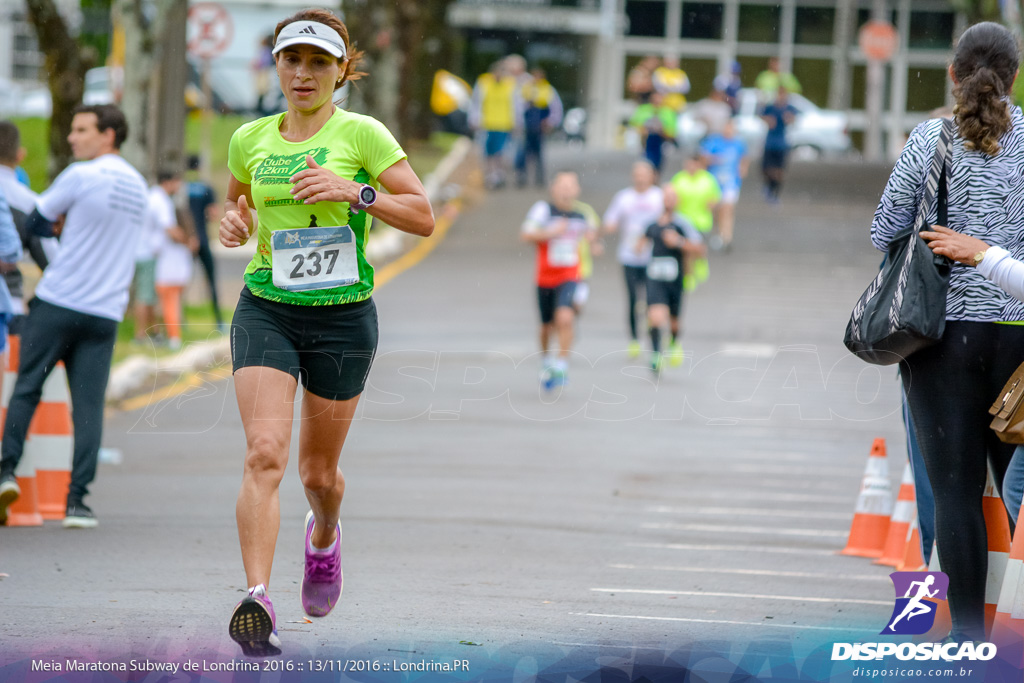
904 308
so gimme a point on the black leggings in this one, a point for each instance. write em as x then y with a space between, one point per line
950 387
636 286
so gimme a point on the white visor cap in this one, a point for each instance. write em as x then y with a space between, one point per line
311 33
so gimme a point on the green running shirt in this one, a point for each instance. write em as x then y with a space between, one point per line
352 146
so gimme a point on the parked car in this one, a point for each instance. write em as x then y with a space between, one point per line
18 99
814 133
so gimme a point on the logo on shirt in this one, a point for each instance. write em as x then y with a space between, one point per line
277 169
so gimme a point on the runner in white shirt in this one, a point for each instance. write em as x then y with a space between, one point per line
631 211
174 260
81 297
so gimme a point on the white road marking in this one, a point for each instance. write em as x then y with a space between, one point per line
757 572
745 596
722 621
720 528
759 512
733 548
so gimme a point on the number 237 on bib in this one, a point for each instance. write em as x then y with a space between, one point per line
314 258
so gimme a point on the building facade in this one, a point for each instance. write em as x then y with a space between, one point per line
589 46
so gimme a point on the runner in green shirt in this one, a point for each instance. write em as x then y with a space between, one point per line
305 184
698 193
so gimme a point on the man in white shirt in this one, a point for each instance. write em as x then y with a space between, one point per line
81 297
629 214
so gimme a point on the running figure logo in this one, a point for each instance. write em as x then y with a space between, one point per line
914 612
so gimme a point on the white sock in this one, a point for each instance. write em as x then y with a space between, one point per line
258 590
562 364
323 551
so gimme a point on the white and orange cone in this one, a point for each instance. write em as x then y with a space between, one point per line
49 444
899 524
913 559
874 507
25 510
997 525
1008 623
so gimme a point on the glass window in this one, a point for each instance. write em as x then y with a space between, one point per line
759 23
931 30
814 76
926 88
701 73
814 25
646 18
859 84
702 20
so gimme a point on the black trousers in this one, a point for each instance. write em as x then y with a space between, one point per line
950 387
636 287
205 257
86 345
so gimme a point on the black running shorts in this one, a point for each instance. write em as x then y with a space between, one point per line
550 298
327 348
667 293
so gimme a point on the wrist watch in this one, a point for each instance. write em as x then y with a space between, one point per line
979 257
366 197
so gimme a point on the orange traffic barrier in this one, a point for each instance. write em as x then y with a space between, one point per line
25 510
50 444
899 524
874 507
943 624
913 559
997 525
1008 624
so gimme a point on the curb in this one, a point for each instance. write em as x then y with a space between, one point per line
137 373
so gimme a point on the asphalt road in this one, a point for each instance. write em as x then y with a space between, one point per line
626 514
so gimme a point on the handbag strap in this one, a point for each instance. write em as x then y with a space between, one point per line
936 191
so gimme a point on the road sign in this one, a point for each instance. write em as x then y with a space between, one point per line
210 30
878 40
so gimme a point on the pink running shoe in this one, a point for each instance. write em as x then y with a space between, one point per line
322 580
254 625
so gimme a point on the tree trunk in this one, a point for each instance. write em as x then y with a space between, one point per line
66 64
154 83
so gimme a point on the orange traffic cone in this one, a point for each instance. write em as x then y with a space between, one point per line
25 510
899 524
913 560
1008 624
49 441
997 525
943 624
874 506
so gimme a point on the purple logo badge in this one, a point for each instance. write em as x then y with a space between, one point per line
917 597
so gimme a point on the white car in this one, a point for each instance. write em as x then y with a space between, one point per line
814 133
26 100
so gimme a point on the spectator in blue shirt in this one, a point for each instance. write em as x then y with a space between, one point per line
778 115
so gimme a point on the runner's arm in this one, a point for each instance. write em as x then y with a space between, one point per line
238 223
405 207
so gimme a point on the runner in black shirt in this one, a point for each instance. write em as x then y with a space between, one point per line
671 237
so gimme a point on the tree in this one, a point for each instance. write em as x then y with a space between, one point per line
66 63
155 72
406 41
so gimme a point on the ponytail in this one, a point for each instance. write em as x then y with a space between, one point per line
985 63
981 113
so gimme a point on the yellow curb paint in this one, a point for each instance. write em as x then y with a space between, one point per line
415 255
449 212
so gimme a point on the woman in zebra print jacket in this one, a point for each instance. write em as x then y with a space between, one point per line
950 385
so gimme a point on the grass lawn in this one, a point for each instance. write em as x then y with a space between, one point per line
423 156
